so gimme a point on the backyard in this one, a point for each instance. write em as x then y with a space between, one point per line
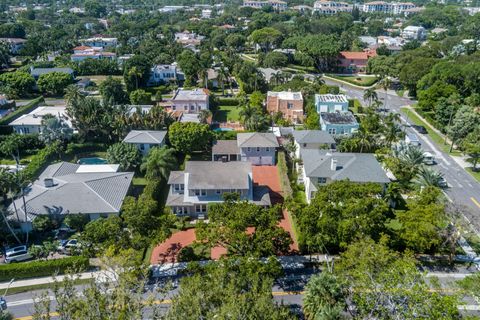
227 114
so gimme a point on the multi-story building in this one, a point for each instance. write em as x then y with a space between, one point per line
81 53
387 7
335 118
204 182
146 139
31 123
289 103
414 33
190 101
100 41
321 167
163 73
353 62
275 4
331 7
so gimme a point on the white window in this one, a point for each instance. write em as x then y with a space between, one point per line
267 149
218 191
197 192
186 108
258 149
289 105
176 187
248 149
203 192
174 108
142 146
322 180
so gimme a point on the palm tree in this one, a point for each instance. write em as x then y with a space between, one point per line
365 141
427 177
324 297
73 96
135 72
222 77
203 75
393 133
277 78
370 95
204 115
159 163
412 155
253 118
385 83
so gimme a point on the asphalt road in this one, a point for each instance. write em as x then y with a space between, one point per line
463 190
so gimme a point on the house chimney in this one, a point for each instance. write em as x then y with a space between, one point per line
48 182
333 165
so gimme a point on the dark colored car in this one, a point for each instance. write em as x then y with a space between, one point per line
420 129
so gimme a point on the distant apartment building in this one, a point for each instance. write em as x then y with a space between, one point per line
81 53
14 44
277 5
354 62
289 103
100 41
414 33
387 7
331 7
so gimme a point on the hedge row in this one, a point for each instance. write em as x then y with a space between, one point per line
21 111
228 102
76 148
39 161
44 268
369 83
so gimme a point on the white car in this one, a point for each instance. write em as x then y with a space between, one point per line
428 159
17 254
66 246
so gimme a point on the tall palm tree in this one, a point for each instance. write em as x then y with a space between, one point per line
135 72
385 83
365 140
393 133
370 95
159 163
428 177
204 115
222 77
277 78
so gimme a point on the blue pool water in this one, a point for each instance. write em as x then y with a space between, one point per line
222 129
92 161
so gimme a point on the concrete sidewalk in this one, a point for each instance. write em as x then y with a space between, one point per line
45 280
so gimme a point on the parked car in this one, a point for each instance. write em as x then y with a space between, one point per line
63 232
17 254
66 246
420 129
428 158
442 183
3 304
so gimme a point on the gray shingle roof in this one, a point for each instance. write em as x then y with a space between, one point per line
257 139
312 136
225 147
218 175
40 71
89 192
176 177
145 136
357 167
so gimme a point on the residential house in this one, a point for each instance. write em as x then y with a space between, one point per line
226 150
302 8
100 41
14 44
312 139
146 139
331 7
37 72
68 188
188 38
354 62
190 101
81 53
32 122
257 147
277 5
164 73
414 33
335 118
320 167
205 182
289 103
331 103
338 123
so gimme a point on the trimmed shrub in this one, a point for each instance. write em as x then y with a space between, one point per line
44 268
39 161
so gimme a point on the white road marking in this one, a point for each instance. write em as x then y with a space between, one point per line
26 301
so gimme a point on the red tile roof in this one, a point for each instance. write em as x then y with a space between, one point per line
357 55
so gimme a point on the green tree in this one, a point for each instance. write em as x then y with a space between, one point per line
471 147
322 49
112 91
54 83
275 60
340 213
136 72
76 221
95 9
253 117
385 284
159 163
106 232
140 96
324 297
43 223
17 84
189 62
266 38
465 119
187 137
428 177
126 155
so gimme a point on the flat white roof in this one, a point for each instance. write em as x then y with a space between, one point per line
35 117
331 98
97 168
286 95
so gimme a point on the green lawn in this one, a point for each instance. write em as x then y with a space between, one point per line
227 113
43 286
10 161
139 181
357 80
438 139
356 106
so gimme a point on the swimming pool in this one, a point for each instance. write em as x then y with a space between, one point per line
95 160
222 129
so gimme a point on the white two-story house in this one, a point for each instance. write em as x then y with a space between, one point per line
204 182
